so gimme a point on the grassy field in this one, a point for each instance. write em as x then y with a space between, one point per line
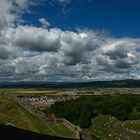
109 128
11 112
101 128
61 130
28 92
132 126
55 92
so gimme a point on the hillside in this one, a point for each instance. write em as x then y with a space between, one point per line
12 113
14 133
95 84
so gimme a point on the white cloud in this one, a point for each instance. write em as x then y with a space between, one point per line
36 39
40 54
12 10
44 22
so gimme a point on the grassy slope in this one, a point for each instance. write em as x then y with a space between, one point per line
11 112
109 128
61 130
101 128
132 125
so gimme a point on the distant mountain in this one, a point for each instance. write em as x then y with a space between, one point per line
96 84
13 133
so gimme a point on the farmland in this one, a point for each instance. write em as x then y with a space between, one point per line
102 113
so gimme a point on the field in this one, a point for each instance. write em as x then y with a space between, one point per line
132 126
28 92
101 128
103 114
80 91
109 128
12 112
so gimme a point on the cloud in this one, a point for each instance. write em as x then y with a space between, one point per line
63 2
12 10
119 56
53 54
36 39
30 53
77 47
3 23
44 22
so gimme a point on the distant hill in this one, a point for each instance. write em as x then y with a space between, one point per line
97 84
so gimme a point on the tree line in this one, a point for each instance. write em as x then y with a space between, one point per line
82 110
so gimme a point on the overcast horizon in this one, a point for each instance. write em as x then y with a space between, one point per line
69 41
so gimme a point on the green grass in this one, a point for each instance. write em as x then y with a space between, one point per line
12 112
132 125
109 128
62 130
101 128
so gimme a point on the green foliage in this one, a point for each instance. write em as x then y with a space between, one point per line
84 120
80 111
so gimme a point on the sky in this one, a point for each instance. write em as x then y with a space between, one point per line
69 40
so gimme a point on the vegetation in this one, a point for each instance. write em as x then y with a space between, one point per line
105 127
61 130
130 83
82 110
102 128
132 126
12 112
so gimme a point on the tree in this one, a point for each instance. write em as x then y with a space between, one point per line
85 118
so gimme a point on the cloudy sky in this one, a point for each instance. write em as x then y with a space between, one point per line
69 40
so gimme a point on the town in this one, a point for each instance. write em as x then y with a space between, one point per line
41 102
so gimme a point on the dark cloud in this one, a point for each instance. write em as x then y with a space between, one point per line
3 23
123 64
118 53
